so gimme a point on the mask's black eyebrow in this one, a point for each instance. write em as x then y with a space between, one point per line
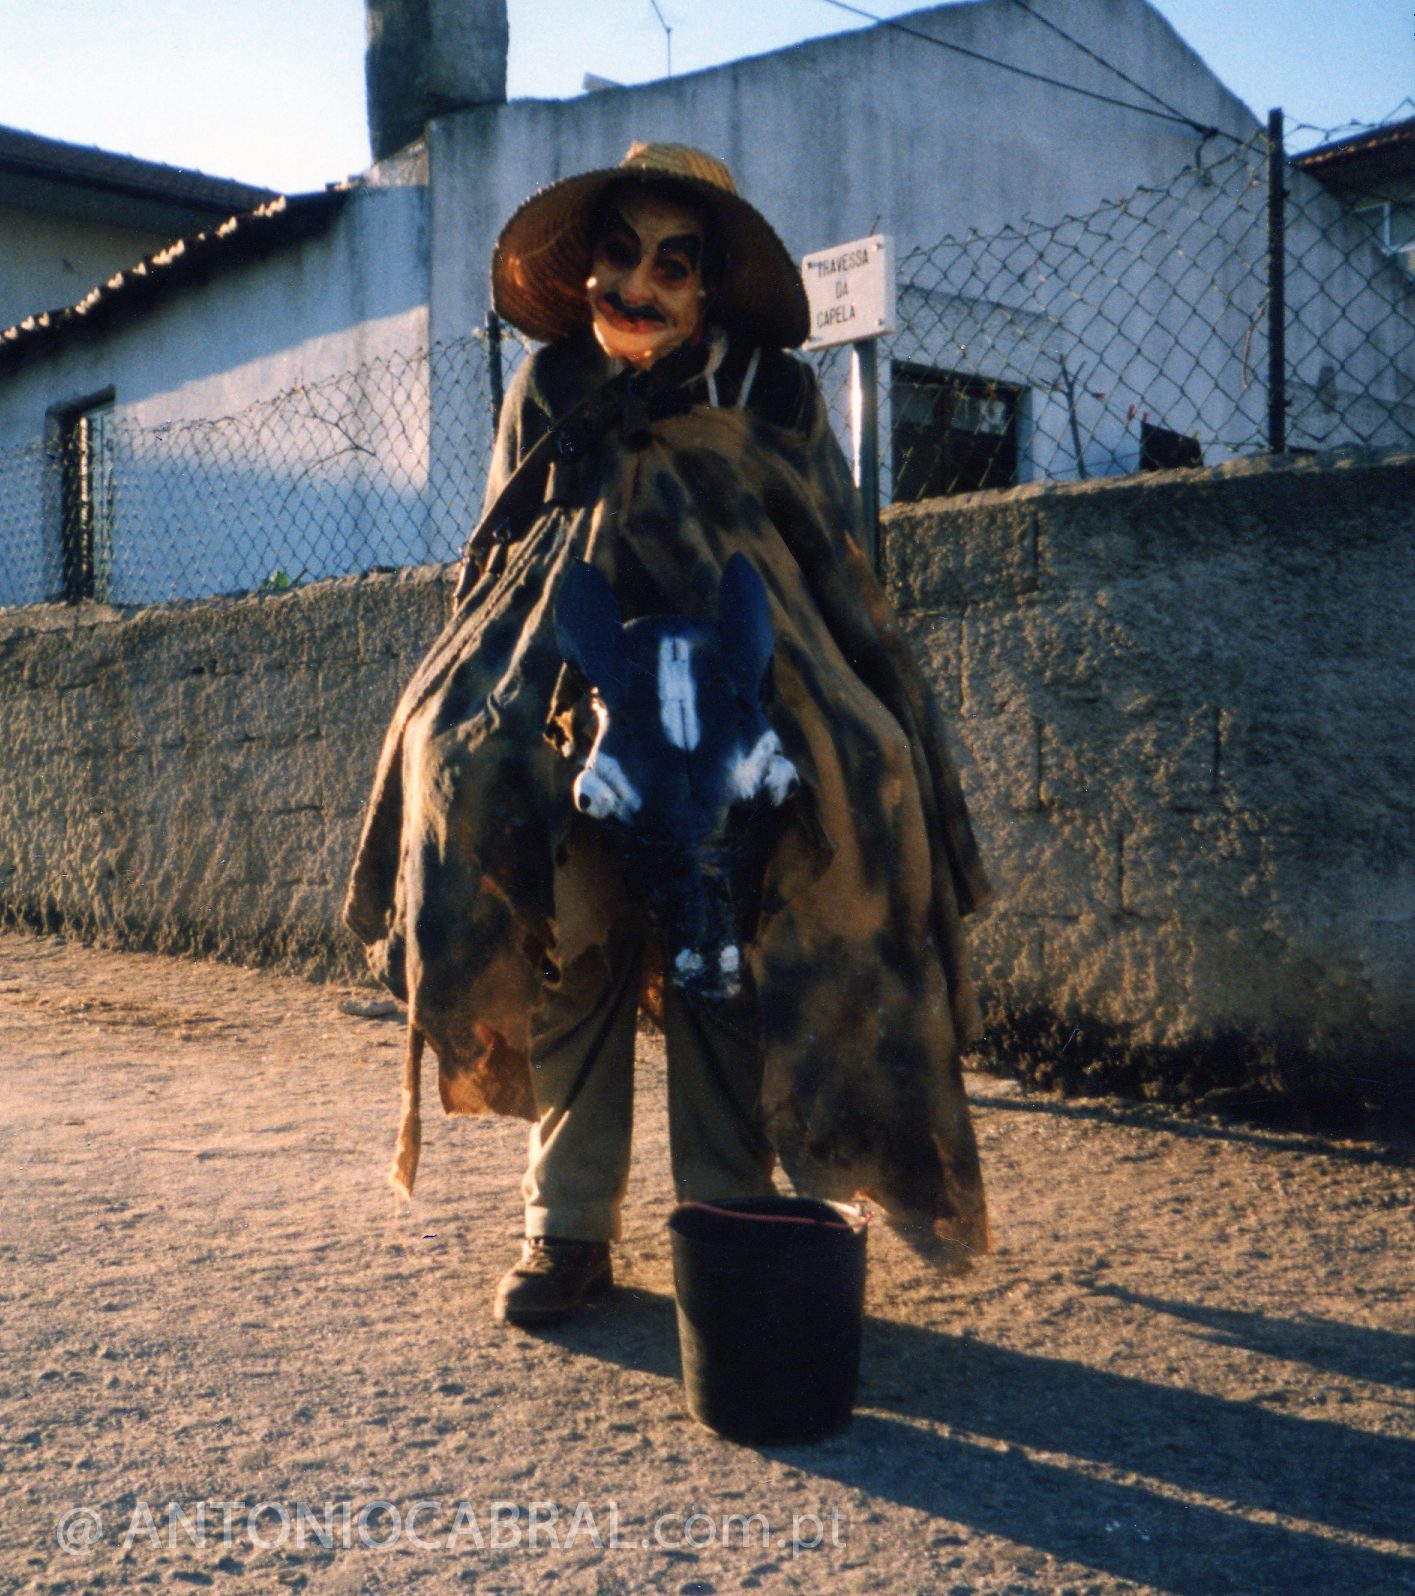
613 222
688 244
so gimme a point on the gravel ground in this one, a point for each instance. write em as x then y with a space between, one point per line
1187 1368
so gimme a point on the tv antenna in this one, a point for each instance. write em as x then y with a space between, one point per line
668 34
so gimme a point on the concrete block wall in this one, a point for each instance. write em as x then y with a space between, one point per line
192 777
1182 711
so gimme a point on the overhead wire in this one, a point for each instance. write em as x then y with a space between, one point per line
1100 60
1165 115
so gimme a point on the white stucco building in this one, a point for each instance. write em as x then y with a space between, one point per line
70 216
258 402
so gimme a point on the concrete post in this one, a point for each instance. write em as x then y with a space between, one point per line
427 57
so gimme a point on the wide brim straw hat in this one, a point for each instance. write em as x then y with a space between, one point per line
542 258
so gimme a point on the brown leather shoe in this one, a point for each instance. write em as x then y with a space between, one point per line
552 1279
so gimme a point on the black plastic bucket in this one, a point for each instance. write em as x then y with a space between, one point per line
771 1294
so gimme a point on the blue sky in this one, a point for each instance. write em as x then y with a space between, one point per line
271 91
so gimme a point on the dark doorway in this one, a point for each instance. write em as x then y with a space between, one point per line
86 498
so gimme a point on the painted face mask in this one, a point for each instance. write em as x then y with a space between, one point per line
646 286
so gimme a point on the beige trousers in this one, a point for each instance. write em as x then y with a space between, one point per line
582 1075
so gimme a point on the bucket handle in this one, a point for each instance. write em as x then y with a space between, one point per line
778 1219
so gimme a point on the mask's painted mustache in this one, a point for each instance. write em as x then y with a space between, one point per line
646 313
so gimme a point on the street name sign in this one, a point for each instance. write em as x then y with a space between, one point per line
851 291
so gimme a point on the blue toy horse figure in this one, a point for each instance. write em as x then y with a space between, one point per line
685 772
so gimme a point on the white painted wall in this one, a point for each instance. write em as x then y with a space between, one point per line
48 261
878 130
868 131
204 509
832 140
840 136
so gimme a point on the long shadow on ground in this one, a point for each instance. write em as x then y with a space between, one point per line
1352 1351
1251 1465
1393 1148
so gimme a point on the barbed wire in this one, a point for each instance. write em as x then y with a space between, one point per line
1141 334
1295 133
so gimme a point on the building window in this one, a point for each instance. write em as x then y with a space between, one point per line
86 498
1392 224
952 433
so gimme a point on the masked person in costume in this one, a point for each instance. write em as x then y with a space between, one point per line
660 431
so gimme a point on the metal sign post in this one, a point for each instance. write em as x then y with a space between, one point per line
864 434
851 294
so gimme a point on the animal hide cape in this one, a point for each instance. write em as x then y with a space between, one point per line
476 881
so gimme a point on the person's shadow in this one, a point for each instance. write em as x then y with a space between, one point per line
1168 1487
1349 1350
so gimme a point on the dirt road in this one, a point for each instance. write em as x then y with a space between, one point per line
1188 1367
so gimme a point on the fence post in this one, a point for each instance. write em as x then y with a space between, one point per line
1277 286
864 424
493 367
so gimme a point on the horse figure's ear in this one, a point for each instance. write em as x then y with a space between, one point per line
744 625
588 625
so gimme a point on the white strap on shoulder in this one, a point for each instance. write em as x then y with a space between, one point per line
748 379
717 352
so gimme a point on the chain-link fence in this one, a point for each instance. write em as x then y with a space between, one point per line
1253 302
1242 306
377 468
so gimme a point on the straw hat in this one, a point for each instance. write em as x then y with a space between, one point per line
542 258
